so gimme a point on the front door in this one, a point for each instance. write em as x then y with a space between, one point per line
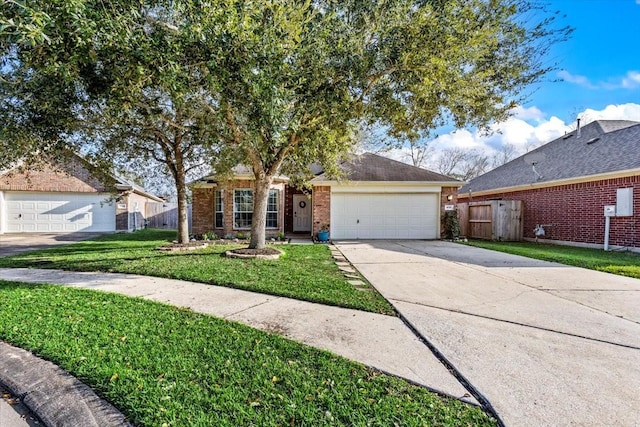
301 213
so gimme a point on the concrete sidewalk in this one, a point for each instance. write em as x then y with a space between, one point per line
382 342
547 344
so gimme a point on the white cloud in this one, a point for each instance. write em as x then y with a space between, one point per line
576 79
628 111
531 113
630 81
515 131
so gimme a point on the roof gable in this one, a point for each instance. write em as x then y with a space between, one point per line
68 173
374 168
603 146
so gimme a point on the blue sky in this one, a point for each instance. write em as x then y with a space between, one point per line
599 69
600 64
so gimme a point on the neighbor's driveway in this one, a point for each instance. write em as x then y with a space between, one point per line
545 343
13 243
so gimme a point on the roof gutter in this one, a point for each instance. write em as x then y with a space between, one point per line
127 187
554 183
457 184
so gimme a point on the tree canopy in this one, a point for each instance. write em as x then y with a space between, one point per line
277 85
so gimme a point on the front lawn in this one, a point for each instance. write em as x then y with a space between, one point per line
305 272
621 263
165 366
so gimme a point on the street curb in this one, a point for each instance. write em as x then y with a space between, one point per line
52 394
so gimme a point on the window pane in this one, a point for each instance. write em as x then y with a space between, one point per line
272 203
272 220
272 209
242 220
242 208
219 209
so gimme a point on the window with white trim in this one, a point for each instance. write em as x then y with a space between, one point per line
219 209
243 209
272 209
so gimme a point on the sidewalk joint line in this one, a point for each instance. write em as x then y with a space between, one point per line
230 315
482 400
632 347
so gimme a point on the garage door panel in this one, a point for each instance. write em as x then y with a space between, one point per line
384 216
58 212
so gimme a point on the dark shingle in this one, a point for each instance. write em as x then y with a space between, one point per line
604 146
371 167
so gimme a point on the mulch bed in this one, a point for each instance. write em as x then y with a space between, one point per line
199 244
247 251
190 246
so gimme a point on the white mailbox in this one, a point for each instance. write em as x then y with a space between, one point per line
610 210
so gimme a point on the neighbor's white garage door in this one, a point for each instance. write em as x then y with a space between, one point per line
58 212
384 216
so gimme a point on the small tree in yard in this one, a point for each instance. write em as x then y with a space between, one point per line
118 81
280 85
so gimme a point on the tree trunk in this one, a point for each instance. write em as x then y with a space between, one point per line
183 214
259 220
183 217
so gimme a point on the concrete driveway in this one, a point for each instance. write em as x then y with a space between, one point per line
546 344
11 243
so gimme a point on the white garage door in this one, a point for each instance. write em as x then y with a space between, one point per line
58 212
384 216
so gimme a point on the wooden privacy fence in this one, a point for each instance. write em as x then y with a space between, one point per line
164 215
491 220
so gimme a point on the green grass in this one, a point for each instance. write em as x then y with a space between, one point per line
305 272
165 366
621 263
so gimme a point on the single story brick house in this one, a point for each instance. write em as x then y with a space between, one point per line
64 196
566 184
378 198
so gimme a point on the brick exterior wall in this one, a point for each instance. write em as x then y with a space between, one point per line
575 212
203 213
321 211
68 177
444 194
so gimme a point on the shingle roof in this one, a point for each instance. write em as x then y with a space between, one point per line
604 146
371 167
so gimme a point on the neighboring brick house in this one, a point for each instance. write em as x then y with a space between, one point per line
378 198
566 184
64 196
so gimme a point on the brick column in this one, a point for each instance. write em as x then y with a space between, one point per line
321 201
